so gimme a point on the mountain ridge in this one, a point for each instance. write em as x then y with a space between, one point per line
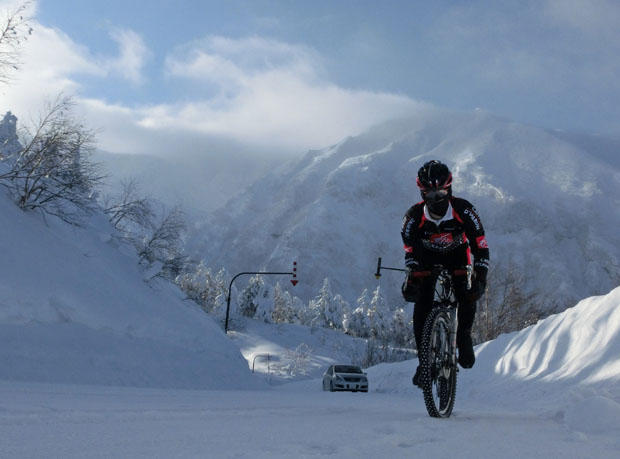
336 210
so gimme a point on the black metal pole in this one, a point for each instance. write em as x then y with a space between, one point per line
230 288
379 268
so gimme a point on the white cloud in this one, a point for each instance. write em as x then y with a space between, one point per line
265 95
270 93
53 63
51 60
133 54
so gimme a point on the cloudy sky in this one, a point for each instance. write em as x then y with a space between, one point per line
286 76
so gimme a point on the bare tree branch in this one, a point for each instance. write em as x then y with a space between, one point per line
505 306
130 209
14 30
163 243
52 171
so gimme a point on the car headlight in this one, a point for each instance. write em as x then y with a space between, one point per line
339 378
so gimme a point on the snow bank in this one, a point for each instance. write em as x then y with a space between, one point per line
566 368
75 308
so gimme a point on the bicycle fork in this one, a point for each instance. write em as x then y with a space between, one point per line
454 324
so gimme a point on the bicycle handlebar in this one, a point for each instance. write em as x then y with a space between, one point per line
454 272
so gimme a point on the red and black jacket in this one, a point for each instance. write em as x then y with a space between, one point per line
427 243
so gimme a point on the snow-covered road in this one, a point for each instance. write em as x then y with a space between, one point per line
56 421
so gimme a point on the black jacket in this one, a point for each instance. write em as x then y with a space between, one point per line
457 237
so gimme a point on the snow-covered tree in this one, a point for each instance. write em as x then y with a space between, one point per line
162 242
53 172
379 316
247 297
196 284
209 291
9 142
328 309
342 312
219 307
402 329
299 310
256 300
313 315
264 303
282 306
358 323
298 360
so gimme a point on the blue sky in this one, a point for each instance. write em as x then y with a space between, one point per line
292 75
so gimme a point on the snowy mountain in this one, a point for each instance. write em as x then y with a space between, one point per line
548 201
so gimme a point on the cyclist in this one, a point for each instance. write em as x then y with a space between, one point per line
443 229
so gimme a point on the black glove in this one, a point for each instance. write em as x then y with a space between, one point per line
411 287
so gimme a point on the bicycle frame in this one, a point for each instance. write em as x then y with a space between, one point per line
439 348
445 297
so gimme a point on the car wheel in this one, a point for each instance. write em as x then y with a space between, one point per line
331 386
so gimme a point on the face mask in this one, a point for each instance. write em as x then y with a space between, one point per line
438 208
437 201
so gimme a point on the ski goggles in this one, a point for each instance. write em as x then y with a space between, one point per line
435 195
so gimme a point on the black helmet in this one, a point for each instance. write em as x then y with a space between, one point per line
435 182
434 175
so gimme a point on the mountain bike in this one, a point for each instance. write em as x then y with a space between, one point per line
438 359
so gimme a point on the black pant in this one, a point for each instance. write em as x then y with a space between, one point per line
466 312
467 308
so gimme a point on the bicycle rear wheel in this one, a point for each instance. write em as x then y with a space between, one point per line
437 371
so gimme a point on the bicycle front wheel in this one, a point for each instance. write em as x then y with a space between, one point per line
437 368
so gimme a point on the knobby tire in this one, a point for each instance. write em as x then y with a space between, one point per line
438 374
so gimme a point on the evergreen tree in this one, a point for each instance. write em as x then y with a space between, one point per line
282 306
299 310
196 284
327 308
264 303
248 297
402 329
379 317
343 312
358 324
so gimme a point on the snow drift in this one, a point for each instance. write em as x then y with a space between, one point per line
566 367
75 308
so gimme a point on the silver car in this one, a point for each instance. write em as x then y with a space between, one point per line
345 377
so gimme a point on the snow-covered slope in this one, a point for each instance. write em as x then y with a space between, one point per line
570 357
548 201
75 308
561 359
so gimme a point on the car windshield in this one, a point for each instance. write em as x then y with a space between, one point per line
347 369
